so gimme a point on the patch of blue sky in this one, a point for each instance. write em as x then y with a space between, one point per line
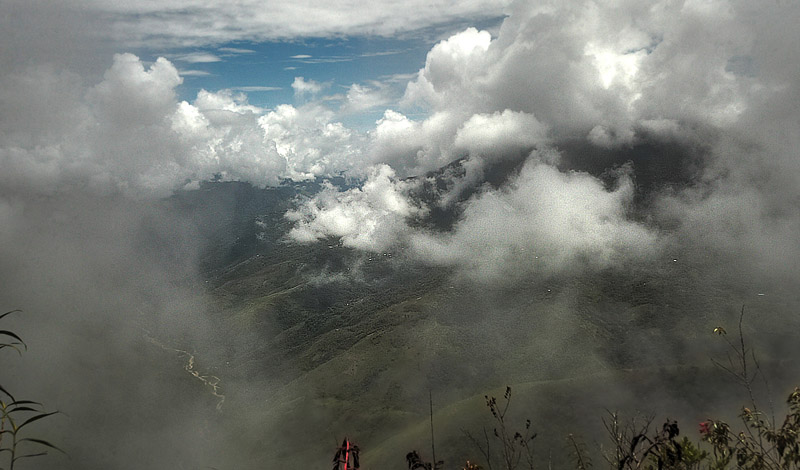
265 71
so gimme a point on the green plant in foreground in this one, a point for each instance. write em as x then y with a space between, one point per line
762 444
636 447
513 445
16 415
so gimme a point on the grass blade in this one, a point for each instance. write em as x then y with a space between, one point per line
42 442
36 418
5 392
13 335
12 345
29 455
9 313
23 408
24 402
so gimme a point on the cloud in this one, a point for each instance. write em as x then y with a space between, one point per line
225 100
236 50
57 34
360 98
303 87
129 133
95 274
403 78
370 218
499 134
583 69
380 54
415 147
113 136
602 85
198 58
449 66
307 59
195 22
194 73
130 94
249 89
534 124
574 79
311 142
542 222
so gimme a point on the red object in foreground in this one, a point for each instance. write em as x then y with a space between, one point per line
705 428
347 454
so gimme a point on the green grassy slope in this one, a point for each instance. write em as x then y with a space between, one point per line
330 342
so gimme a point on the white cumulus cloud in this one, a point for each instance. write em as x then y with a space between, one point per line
303 87
710 79
372 217
543 222
129 133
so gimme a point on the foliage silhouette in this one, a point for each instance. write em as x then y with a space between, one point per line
762 444
415 462
512 445
16 415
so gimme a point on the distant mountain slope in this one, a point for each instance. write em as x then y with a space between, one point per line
330 341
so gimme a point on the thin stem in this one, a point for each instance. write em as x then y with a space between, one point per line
433 447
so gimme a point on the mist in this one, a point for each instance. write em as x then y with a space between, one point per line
572 198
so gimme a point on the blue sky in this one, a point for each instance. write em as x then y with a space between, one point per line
265 70
335 62
334 56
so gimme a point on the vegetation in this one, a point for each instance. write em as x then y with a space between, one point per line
513 446
761 444
16 415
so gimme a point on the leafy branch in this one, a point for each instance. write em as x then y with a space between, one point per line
16 415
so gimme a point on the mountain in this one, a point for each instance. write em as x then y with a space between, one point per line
326 341
195 332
